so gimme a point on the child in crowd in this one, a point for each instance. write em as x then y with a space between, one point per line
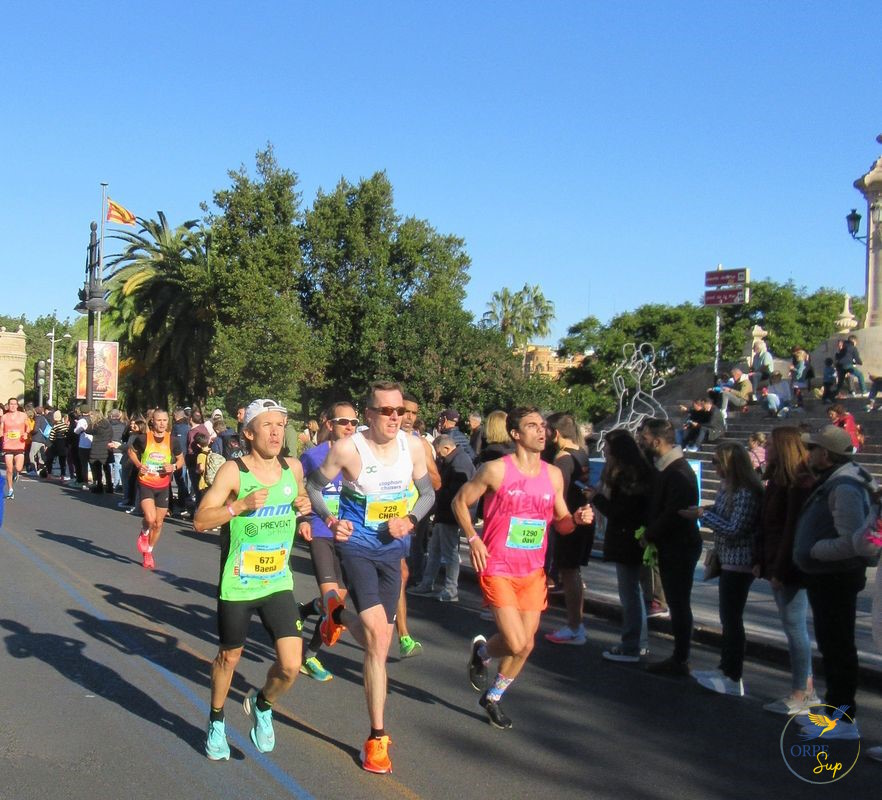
830 381
756 449
777 398
203 449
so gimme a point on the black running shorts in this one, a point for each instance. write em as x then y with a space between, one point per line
278 612
325 563
158 496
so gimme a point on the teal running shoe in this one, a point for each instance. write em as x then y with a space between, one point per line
262 733
216 747
313 667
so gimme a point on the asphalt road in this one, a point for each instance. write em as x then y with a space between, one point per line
105 672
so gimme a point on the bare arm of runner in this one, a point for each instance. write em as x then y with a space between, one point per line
219 503
487 478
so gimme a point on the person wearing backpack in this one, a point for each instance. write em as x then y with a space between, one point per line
823 550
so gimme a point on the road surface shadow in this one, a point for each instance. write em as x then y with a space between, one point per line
66 655
85 545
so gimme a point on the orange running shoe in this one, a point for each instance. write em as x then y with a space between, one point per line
149 563
375 755
329 629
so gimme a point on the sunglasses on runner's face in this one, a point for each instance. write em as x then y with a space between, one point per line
388 411
345 421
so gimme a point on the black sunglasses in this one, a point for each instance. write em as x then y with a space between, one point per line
344 421
388 411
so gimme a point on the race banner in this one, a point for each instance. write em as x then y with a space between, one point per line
105 379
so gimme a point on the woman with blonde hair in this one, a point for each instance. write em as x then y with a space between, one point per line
789 482
733 518
499 443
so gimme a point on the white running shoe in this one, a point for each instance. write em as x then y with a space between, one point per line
567 635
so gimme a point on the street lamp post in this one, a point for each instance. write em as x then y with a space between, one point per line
52 339
92 301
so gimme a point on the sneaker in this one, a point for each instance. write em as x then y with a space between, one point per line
262 733
791 706
721 684
568 636
421 590
143 543
408 647
657 610
874 752
497 717
374 755
669 666
185 514
477 667
130 509
329 629
149 563
216 747
313 667
446 597
10 494
65 479
619 654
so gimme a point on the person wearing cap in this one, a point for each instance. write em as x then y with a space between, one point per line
834 575
373 523
448 421
256 498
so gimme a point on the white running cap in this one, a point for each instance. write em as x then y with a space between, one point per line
257 407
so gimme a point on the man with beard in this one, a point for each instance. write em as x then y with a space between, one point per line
676 538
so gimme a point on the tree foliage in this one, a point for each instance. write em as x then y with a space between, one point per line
520 316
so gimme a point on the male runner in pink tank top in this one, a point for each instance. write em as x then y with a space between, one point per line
523 496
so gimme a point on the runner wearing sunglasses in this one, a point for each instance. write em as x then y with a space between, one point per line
378 465
341 420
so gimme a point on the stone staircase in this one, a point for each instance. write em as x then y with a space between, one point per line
741 425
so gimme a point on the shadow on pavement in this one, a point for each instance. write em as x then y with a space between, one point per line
85 545
65 655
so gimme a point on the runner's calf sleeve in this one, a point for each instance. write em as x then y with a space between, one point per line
314 485
426 499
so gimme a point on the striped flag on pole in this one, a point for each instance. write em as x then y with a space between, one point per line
116 213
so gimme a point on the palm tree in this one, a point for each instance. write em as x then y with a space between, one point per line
161 296
521 315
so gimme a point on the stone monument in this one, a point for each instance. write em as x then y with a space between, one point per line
869 337
12 363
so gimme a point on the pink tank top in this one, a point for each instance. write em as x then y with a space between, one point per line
516 519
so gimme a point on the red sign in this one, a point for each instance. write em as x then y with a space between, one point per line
727 277
727 297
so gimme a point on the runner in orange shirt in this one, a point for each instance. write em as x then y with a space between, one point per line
14 432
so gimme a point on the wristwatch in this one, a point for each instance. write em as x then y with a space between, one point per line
413 519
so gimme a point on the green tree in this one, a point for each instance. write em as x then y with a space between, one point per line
262 346
161 297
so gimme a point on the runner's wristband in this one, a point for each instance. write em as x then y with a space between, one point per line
471 539
231 510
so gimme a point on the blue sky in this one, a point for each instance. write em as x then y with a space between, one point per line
610 152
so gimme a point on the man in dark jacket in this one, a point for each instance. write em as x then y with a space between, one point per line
833 574
847 358
456 469
676 538
447 423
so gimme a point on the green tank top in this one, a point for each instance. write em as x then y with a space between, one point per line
256 546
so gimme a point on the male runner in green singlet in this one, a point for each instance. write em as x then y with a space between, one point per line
256 498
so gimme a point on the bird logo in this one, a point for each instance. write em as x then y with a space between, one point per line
819 724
